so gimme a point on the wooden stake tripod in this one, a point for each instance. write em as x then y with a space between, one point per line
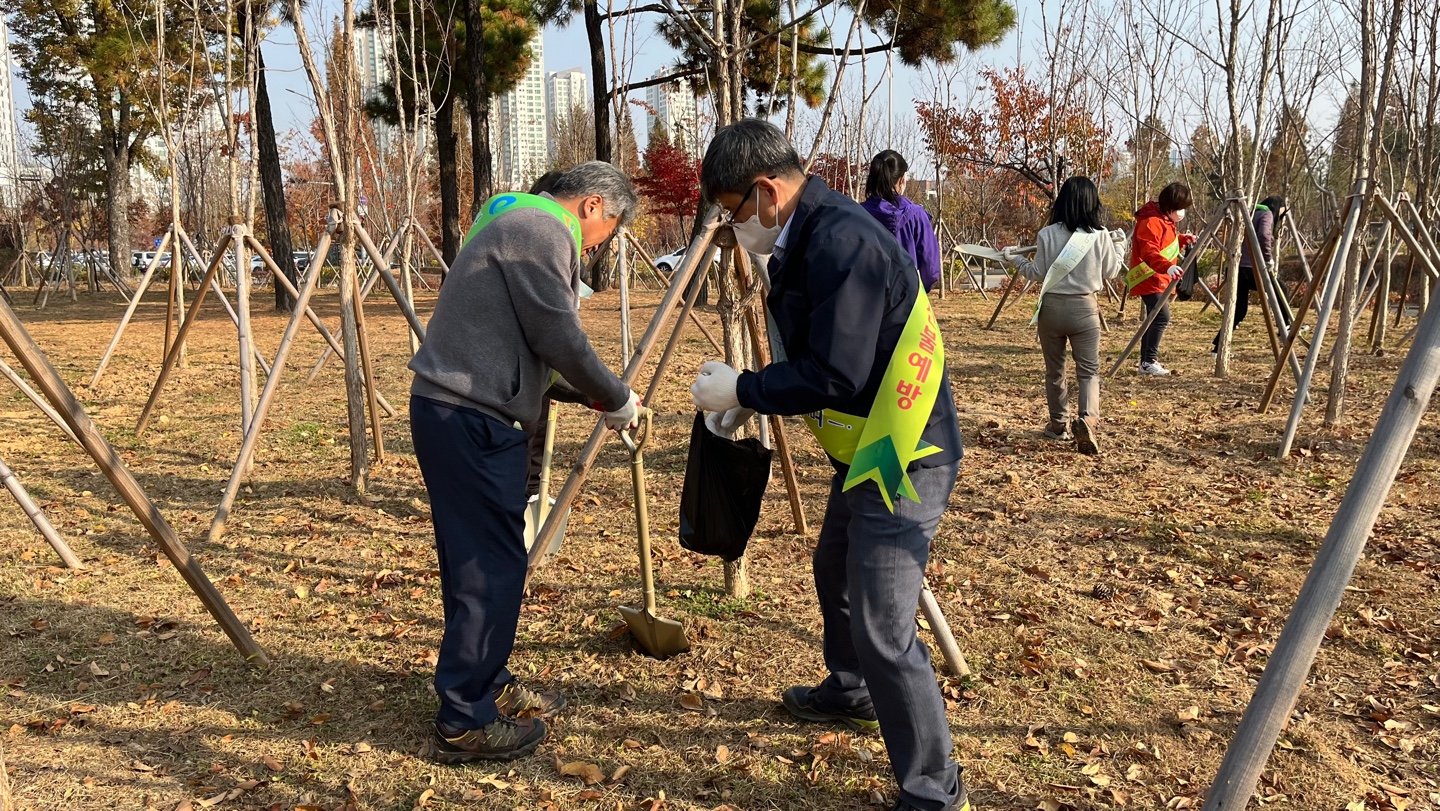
1423 252
69 409
1289 665
698 258
272 383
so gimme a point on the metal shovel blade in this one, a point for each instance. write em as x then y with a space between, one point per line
658 636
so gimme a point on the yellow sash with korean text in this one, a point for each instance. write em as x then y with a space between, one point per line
881 445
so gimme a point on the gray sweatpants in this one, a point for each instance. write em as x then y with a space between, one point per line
869 567
1076 319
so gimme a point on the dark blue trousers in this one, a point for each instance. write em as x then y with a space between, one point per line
869 568
474 467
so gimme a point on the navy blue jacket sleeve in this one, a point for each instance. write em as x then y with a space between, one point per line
846 287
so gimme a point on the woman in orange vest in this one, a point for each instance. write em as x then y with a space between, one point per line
1155 249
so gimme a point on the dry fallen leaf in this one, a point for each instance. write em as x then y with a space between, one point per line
692 702
1158 666
1188 714
620 773
423 801
588 773
272 764
722 753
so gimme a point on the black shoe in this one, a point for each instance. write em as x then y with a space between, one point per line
504 738
802 703
522 702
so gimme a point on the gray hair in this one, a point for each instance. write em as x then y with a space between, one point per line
599 177
746 150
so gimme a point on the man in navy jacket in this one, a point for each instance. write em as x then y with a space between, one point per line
844 297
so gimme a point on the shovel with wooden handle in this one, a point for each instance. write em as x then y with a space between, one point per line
660 637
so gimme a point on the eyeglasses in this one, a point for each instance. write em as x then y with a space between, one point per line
728 217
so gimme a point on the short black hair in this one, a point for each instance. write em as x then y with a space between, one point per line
1174 197
886 169
1275 203
546 181
1078 205
741 152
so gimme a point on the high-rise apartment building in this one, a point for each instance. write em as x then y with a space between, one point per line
565 90
673 105
372 62
518 122
9 137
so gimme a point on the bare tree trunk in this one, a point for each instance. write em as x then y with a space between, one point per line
446 147
117 193
479 105
1372 123
594 33
272 182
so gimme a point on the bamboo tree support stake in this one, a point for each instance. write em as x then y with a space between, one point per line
1270 301
178 345
135 303
622 269
262 408
1005 296
37 517
50 383
1311 293
699 250
6 801
1320 596
367 367
1335 280
1300 249
1185 265
944 637
694 319
407 279
335 349
310 315
219 295
761 344
34 397
381 259
246 335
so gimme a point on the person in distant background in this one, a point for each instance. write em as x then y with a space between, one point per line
884 190
1156 245
1266 221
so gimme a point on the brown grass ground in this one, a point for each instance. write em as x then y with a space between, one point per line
118 691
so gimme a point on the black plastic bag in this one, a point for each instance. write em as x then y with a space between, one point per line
724 484
1186 289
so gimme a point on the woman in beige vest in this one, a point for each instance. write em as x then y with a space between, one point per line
1074 256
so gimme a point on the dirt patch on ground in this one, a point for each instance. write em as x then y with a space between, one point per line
118 692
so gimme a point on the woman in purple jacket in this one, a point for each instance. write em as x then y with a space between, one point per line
907 221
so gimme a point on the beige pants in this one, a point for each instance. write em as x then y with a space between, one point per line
1076 319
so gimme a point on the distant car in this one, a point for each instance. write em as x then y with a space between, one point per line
142 259
302 260
670 261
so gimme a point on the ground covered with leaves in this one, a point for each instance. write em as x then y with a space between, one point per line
1116 610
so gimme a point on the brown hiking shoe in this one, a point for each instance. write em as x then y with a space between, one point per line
502 739
1085 439
522 702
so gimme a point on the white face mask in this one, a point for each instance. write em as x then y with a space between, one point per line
1178 216
756 237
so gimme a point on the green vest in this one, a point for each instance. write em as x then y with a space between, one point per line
510 201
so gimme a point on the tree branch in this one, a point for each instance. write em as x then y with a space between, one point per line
655 8
654 80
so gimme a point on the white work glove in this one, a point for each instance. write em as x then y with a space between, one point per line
1174 272
1118 234
626 417
726 423
714 388
1011 255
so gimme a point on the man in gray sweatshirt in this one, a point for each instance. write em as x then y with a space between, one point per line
505 323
